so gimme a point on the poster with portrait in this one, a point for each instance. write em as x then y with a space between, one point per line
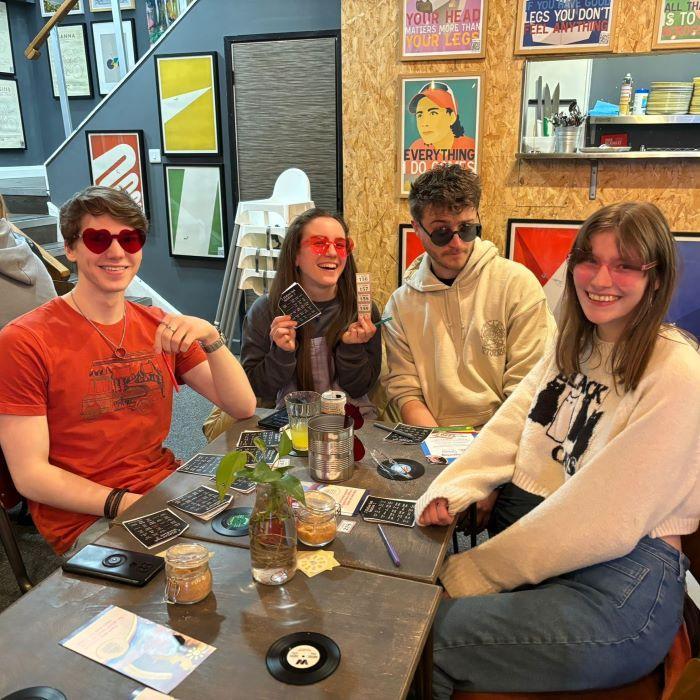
436 29
195 206
439 124
7 64
676 24
106 5
76 67
48 7
570 26
116 160
685 305
410 247
542 246
11 126
104 39
188 103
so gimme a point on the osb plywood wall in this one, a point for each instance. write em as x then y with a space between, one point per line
512 189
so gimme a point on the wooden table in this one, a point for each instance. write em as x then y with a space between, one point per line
421 550
380 623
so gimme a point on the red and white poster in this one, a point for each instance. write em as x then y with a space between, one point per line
116 160
410 248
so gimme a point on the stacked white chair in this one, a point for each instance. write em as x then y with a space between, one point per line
259 230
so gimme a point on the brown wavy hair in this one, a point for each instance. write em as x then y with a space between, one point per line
448 187
642 231
97 200
288 273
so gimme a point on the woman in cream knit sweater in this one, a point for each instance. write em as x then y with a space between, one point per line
586 590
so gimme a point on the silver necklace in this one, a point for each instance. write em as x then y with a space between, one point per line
118 350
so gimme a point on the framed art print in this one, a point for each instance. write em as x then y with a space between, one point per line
439 123
11 124
542 246
685 305
48 7
195 205
442 29
410 248
188 104
106 5
76 67
676 24
7 63
116 159
104 40
574 26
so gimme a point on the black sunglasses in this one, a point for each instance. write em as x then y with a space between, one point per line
443 235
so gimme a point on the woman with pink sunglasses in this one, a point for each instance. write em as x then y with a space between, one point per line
336 350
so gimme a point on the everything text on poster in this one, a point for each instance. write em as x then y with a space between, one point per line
564 26
439 124
435 29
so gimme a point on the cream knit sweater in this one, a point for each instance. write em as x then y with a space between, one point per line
612 467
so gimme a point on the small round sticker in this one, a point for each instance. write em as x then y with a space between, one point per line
303 656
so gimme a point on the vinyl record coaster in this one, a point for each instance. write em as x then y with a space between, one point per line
39 692
303 658
400 469
232 522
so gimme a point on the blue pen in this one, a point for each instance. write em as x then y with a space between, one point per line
392 552
382 321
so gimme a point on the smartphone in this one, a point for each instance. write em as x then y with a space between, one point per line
275 420
114 564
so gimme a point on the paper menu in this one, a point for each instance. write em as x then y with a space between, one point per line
448 443
138 648
348 497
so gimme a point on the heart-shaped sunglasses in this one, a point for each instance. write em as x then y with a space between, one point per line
98 240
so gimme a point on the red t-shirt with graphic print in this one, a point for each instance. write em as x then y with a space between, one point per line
107 416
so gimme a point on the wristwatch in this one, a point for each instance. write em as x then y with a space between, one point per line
221 340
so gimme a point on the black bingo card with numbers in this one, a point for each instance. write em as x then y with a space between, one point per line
389 510
156 528
201 464
295 302
247 438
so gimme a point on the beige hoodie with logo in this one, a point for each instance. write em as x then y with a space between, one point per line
463 349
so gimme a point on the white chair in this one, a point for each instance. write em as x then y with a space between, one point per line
260 237
258 259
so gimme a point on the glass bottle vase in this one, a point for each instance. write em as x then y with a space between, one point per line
273 537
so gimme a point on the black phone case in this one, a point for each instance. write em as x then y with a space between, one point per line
114 564
275 420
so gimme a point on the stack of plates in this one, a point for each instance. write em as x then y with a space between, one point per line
669 98
695 102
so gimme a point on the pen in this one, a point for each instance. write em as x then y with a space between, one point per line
383 321
170 371
400 433
392 552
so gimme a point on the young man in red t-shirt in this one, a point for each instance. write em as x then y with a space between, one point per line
86 380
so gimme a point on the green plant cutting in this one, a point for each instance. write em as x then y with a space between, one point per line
234 465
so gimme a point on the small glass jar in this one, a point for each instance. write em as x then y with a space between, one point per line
316 519
187 573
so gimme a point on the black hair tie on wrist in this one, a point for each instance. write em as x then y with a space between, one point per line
112 502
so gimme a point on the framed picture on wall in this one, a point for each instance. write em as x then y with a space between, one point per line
104 39
574 26
685 305
676 24
188 104
106 5
116 159
443 29
410 248
76 66
48 7
196 214
439 123
542 246
11 124
7 63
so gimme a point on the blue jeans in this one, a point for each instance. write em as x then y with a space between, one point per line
598 627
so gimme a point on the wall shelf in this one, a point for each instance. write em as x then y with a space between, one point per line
643 119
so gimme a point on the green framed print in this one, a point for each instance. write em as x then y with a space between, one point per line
439 123
196 214
676 24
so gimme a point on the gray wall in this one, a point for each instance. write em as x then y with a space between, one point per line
41 112
192 286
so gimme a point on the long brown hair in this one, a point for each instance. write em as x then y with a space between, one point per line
642 231
288 273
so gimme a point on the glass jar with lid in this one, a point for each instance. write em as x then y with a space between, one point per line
187 574
316 519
